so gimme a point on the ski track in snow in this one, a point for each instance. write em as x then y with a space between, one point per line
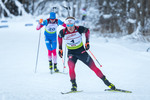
125 64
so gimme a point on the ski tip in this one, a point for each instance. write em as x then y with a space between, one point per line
62 93
118 90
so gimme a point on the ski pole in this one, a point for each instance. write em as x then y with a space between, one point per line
38 51
63 64
64 60
95 58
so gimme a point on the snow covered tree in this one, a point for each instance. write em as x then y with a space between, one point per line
10 8
124 16
109 16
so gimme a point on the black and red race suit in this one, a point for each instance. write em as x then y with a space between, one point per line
76 50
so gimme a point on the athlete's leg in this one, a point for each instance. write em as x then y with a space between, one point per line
49 55
55 60
54 56
50 59
86 59
71 63
54 46
48 45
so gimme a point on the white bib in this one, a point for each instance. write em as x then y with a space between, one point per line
73 40
51 28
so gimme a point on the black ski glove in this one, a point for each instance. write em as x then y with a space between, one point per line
87 45
60 53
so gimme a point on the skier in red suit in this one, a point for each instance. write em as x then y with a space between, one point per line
73 36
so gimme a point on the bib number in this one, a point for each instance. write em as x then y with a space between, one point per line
51 29
72 41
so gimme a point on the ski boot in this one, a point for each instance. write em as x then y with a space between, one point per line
110 85
74 85
55 68
50 66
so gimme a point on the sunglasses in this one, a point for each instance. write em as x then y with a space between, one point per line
70 25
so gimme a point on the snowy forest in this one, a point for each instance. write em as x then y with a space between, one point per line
109 17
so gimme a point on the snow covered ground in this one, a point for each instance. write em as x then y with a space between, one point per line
125 63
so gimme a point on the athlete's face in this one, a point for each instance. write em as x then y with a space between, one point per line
70 27
52 20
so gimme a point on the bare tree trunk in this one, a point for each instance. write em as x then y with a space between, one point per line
142 17
148 7
33 7
23 2
74 8
79 7
148 14
137 12
0 12
129 25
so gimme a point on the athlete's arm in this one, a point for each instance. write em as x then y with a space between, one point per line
41 24
86 31
87 35
61 23
60 39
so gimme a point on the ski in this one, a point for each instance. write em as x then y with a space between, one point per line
51 72
61 72
118 90
71 92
